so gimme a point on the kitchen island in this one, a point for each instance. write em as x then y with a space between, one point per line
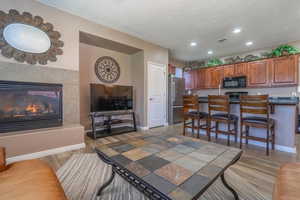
284 110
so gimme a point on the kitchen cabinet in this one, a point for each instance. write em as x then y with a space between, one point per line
241 69
284 71
189 80
216 77
201 78
273 72
229 71
258 73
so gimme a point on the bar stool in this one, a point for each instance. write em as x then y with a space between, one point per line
221 103
191 112
256 105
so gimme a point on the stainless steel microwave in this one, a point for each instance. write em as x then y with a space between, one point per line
235 82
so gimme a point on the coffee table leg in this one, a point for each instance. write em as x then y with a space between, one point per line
236 197
113 173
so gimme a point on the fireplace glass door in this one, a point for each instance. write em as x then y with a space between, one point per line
32 105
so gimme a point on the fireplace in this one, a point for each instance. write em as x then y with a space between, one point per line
25 106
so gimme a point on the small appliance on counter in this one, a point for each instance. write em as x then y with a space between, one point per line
235 82
235 95
175 105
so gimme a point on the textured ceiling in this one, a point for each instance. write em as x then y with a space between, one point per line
175 23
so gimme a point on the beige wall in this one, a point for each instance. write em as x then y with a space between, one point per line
62 22
28 142
69 26
138 82
87 57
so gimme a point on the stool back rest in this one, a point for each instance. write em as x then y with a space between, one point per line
218 103
254 104
190 102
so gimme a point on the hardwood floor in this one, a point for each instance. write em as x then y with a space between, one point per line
260 170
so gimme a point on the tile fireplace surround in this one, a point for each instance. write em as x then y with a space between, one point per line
39 142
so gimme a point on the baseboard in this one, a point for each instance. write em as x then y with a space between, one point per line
260 144
143 128
41 154
277 147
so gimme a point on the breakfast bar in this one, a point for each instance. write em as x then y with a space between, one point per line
284 110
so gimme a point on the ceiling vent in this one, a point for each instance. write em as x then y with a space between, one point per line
222 40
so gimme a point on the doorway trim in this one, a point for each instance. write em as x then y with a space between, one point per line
165 123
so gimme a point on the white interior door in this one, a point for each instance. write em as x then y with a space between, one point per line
156 95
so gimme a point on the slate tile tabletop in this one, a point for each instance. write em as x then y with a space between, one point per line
178 166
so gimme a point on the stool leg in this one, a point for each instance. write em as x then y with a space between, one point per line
273 138
235 131
268 139
193 126
208 129
198 128
228 134
184 119
217 129
241 135
247 134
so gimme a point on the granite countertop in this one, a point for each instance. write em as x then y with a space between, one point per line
272 100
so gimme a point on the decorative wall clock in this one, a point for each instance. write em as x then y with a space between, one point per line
107 69
28 38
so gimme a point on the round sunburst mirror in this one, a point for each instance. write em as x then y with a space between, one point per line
107 69
28 38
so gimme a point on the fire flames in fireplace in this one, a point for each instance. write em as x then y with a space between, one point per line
28 104
32 108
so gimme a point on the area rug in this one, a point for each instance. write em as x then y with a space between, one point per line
83 174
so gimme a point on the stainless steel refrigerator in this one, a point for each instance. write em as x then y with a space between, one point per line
175 104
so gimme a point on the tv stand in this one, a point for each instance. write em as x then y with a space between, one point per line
111 123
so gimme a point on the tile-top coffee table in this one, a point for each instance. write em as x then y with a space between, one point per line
166 167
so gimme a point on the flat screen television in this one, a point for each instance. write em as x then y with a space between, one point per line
111 98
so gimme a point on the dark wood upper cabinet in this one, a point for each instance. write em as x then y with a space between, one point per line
258 73
189 80
201 78
241 69
284 71
229 71
216 75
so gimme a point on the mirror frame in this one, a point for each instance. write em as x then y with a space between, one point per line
9 51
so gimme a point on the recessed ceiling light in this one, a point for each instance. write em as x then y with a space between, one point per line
193 44
237 30
210 52
249 43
